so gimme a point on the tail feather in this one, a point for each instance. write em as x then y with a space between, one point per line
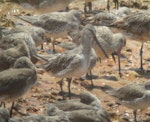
29 19
118 24
108 89
41 58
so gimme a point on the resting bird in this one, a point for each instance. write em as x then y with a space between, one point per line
16 81
10 50
134 96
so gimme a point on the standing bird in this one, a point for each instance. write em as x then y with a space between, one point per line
134 96
75 62
16 81
138 24
110 42
56 24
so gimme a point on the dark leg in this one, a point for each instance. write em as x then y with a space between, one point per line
90 6
134 113
141 57
92 84
53 45
61 88
85 9
108 5
99 59
69 84
119 65
117 4
42 47
11 109
2 103
113 57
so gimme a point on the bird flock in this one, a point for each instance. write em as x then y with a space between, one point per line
93 39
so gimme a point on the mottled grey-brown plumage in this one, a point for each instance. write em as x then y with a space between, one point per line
73 63
138 24
134 96
100 115
87 101
37 33
16 81
70 63
104 18
40 118
57 24
110 42
4 115
82 115
11 50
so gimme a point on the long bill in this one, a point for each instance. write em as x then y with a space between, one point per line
100 46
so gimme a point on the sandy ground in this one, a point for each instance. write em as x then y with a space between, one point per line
47 89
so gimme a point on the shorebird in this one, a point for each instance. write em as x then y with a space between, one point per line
56 24
86 101
134 96
137 24
40 118
106 18
17 81
122 12
27 38
75 62
37 33
110 42
52 5
84 115
102 19
10 50
4 114
81 115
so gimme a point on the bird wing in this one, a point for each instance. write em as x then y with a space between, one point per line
14 80
129 92
59 63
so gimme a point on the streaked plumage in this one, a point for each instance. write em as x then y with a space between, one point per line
134 96
137 23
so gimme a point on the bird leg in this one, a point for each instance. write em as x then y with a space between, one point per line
99 59
113 56
87 75
85 9
90 6
13 107
119 65
2 103
53 45
69 84
61 88
108 5
141 57
134 113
